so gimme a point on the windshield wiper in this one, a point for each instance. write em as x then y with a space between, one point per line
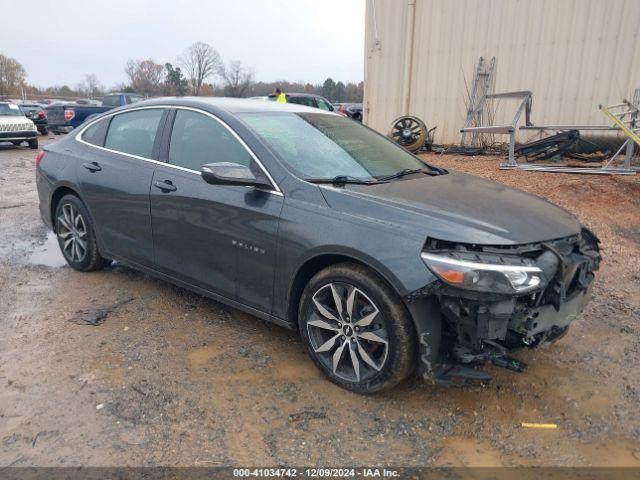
408 171
342 179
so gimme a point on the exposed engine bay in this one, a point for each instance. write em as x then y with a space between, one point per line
494 300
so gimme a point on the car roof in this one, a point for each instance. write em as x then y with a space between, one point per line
232 105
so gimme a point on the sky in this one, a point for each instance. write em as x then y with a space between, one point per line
296 40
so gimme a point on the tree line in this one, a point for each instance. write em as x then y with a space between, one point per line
198 71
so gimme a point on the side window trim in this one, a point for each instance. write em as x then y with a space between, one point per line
165 108
163 152
157 142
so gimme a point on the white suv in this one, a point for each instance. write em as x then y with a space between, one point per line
15 127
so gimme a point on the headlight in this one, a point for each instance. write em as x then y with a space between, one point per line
484 277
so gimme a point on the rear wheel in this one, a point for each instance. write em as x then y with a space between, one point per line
17 143
76 235
356 329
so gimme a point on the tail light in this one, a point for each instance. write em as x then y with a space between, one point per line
69 114
39 158
42 114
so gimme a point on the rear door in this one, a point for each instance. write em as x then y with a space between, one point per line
115 177
218 237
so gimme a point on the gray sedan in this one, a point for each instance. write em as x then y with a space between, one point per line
385 264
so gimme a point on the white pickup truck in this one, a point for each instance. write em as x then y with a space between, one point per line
15 127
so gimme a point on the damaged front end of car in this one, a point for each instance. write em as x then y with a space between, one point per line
493 300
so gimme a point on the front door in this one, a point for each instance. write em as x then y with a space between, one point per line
220 238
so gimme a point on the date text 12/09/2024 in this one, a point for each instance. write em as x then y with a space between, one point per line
372 472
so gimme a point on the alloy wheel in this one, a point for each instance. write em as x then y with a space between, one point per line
347 332
72 232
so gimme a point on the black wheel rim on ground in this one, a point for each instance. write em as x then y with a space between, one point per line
347 332
409 132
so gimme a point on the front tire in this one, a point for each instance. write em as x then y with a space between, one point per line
33 144
356 329
76 235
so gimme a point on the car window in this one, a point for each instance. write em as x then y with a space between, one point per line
96 132
132 98
134 132
10 109
111 101
197 139
323 104
307 101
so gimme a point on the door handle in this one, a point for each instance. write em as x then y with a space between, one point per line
92 166
165 186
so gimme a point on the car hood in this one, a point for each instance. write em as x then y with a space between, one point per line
456 207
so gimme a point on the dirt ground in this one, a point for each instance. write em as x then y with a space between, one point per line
171 378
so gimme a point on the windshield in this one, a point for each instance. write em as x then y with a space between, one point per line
325 146
10 110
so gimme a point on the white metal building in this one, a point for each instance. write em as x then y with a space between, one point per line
421 58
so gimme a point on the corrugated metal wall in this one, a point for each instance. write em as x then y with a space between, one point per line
573 55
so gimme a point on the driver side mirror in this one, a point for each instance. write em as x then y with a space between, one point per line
227 173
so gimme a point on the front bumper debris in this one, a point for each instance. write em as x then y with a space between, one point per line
482 328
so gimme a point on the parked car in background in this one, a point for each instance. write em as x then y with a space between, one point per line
15 127
64 117
353 110
37 114
308 100
88 101
385 264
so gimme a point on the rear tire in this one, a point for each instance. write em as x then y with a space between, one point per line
17 143
371 328
76 235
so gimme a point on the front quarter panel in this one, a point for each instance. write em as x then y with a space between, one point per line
309 229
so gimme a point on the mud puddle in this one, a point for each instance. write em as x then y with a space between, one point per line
48 253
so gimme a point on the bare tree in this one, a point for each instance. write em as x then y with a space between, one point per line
200 61
237 79
146 76
90 87
12 74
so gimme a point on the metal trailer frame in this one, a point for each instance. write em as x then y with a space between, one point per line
606 169
626 169
525 97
